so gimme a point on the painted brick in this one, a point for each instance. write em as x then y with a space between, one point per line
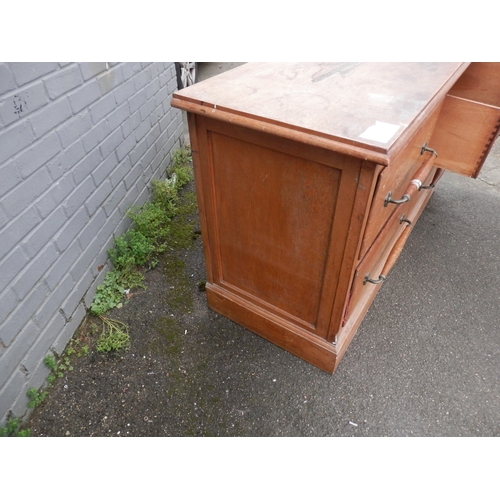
84 96
77 198
20 316
102 171
142 79
138 151
129 70
17 351
146 109
130 199
102 108
68 233
172 86
21 103
48 260
155 71
74 128
105 235
60 269
14 139
6 79
10 176
71 302
137 100
118 116
111 142
37 155
131 178
156 115
69 329
152 88
85 260
89 296
109 80
120 172
42 234
153 135
3 218
10 394
25 72
96 135
50 117
124 92
142 130
63 81
50 307
149 156
125 147
90 69
26 193
86 166
34 271
33 361
162 96
92 229
12 234
61 188
45 205
131 123
9 301
65 161
115 199
16 200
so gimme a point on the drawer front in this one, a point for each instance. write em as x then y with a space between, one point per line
394 179
464 135
385 250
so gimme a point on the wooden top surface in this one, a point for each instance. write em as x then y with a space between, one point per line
366 105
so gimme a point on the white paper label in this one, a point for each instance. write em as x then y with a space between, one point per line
380 132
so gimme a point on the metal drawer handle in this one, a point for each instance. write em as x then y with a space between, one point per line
388 199
391 260
404 219
375 282
432 185
425 148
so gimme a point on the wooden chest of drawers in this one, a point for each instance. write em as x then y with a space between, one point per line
310 178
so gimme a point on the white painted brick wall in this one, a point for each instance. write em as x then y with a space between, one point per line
79 144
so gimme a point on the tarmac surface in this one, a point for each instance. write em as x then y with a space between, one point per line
426 359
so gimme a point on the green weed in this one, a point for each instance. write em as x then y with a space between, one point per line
114 336
36 397
146 239
112 291
12 429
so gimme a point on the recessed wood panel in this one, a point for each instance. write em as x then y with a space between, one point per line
274 215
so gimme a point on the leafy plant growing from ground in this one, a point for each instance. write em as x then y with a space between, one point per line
145 239
137 247
12 429
114 336
36 397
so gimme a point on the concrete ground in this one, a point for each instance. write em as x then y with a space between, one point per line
425 360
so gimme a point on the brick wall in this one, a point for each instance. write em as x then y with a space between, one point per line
79 143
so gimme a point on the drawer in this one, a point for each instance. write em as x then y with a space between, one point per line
469 121
395 179
389 243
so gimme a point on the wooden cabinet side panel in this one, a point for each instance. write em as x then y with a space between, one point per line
278 216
